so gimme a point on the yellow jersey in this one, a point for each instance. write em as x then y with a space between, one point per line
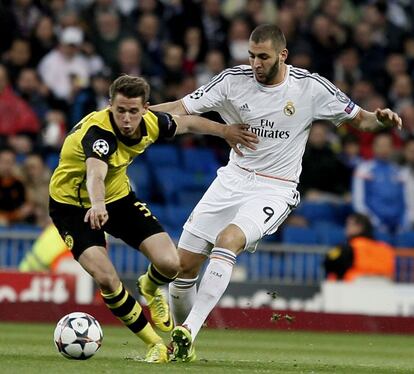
97 135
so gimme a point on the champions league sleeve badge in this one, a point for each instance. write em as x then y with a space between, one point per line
197 94
100 147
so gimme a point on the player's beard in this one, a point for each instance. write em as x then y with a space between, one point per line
272 74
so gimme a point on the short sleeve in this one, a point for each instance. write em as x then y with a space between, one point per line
330 103
166 125
99 143
208 97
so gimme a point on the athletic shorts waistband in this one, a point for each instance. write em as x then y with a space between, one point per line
270 179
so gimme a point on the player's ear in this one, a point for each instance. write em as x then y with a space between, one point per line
145 107
284 55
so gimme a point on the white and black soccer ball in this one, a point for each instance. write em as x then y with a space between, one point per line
78 336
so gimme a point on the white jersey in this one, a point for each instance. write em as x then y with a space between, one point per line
281 116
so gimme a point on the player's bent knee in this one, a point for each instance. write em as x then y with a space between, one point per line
169 267
232 239
190 264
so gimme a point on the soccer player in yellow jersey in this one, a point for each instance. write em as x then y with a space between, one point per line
90 194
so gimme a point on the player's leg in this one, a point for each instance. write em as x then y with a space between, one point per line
96 262
216 278
213 284
256 217
192 251
163 269
88 248
132 221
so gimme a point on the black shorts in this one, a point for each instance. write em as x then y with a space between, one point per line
129 220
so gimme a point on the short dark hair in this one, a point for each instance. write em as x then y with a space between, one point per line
271 32
367 229
130 87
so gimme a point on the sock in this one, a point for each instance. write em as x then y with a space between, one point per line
153 279
215 281
129 312
182 294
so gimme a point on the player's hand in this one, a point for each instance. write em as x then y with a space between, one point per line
236 135
97 216
389 118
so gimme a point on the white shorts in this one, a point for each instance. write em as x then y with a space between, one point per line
257 205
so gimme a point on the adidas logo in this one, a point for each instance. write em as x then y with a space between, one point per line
244 108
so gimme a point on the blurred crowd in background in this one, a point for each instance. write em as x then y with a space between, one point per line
59 57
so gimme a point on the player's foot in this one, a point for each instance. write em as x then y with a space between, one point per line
158 307
157 354
182 342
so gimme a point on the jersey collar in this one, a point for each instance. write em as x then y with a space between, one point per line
275 87
124 139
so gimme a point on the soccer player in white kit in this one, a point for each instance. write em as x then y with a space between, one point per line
255 192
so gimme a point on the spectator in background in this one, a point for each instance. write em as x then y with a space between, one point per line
30 88
214 64
26 14
215 26
409 52
259 11
108 34
385 33
17 58
173 75
36 177
14 206
91 12
54 131
324 180
407 115
371 54
15 115
300 56
21 144
93 97
285 19
408 174
149 33
65 70
350 155
130 59
401 93
361 255
43 38
325 43
378 188
194 51
178 16
395 65
239 33
346 68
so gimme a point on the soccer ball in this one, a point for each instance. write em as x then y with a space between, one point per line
78 336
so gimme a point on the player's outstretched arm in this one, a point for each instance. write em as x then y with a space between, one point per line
373 121
236 134
172 107
96 171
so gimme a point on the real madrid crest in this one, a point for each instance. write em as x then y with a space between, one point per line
69 241
289 109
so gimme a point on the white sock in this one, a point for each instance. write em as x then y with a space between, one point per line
182 294
215 281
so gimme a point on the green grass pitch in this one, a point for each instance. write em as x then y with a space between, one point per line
29 348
